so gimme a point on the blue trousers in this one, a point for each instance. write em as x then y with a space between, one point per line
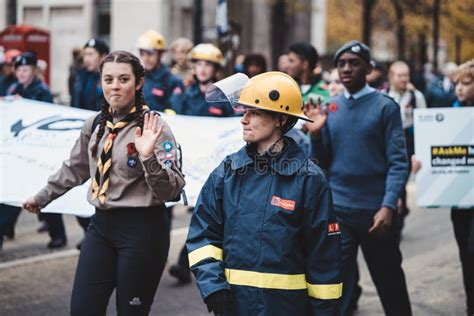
382 255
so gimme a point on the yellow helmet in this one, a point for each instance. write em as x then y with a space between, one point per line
273 91
207 52
151 40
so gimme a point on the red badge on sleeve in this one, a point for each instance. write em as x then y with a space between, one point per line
333 229
215 111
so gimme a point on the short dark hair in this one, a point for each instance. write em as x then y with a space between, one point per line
255 59
305 51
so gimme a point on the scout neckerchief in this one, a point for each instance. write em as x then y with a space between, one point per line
100 183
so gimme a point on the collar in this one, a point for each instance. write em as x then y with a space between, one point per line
359 94
288 162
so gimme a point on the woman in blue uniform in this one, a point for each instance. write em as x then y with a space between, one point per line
207 60
263 238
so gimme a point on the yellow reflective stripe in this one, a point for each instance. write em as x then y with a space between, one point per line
202 253
325 291
283 282
266 280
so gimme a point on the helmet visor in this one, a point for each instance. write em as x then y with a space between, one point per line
227 90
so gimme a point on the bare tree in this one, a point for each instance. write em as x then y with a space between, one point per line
367 8
400 24
436 10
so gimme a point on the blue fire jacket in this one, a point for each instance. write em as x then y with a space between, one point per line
267 232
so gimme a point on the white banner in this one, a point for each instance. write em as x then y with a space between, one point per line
444 143
37 137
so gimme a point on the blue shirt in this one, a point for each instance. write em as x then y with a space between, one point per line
363 149
365 90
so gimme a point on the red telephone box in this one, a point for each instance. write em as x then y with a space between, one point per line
28 38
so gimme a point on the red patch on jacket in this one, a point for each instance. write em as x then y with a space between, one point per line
285 204
158 92
333 229
215 111
333 107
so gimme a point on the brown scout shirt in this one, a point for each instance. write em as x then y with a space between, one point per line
145 183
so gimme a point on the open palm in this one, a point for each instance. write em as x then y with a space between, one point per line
145 140
317 114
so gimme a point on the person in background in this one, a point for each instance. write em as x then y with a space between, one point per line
283 63
160 84
359 141
302 60
7 73
254 64
408 98
463 218
334 86
76 65
239 63
440 90
87 91
207 61
29 86
377 78
180 64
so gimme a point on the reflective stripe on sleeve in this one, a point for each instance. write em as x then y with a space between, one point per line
325 291
205 252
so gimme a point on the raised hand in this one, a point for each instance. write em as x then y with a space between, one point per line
145 140
317 114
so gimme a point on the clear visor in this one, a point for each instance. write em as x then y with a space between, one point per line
227 90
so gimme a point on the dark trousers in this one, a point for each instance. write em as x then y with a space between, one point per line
183 258
410 139
83 222
382 255
8 214
463 225
55 223
126 250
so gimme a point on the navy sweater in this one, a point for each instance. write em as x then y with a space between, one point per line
362 147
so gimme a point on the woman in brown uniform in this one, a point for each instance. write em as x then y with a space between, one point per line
130 156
